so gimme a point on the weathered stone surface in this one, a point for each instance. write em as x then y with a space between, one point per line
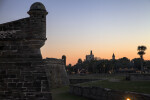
56 72
139 77
98 93
22 70
76 81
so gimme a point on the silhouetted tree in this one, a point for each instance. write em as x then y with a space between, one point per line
137 63
79 61
69 69
141 52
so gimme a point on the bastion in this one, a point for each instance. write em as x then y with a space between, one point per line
56 72
22 69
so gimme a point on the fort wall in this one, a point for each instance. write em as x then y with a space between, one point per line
139 77
98 93
56 72
22 70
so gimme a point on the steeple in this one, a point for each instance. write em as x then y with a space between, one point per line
113 56
91 53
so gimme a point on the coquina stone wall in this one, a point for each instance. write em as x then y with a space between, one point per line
22 70
139 77
56 72
76 81
98 93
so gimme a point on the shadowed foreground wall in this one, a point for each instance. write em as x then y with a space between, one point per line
22 70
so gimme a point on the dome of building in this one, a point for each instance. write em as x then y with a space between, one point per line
37 6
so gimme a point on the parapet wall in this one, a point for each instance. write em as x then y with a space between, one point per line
22 29
23 38
15 25
54 61
33 27
77 81
98 93
139 77
56 71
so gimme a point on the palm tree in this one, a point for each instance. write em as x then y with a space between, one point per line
141 52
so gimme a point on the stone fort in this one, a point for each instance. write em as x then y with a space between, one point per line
24 75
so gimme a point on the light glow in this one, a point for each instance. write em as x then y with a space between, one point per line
128 99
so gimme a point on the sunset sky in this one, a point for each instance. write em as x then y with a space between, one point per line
74 27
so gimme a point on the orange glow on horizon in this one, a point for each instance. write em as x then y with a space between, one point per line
72 57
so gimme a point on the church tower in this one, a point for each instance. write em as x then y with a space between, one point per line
91 53
113 56
90 57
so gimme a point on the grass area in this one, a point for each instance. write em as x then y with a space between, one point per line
134 86
115 82
63 94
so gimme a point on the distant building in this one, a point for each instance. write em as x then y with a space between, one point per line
90 57
113 56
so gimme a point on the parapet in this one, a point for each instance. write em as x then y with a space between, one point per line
56 72
15 29
54 61
22 39
32 27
